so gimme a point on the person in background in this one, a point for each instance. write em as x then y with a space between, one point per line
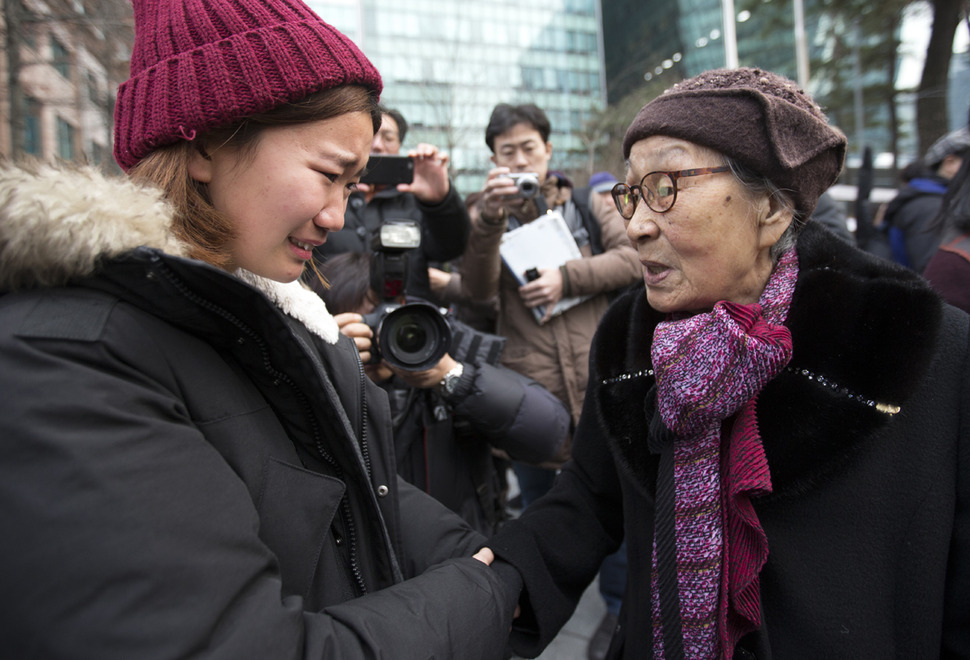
827 212
778 424
599 192
448 418
193 462
554 352
913 236
446 284
949 268
873 235
430 200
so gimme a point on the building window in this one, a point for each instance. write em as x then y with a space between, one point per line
91 88
65 140
532 78
60 57
32 128
97 153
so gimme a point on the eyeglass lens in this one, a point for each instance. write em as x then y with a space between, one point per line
657 188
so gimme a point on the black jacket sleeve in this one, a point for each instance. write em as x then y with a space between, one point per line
511 412
445 228
557 559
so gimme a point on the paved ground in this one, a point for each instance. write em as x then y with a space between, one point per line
571 642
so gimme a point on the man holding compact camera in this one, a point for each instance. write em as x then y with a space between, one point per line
415 187
518 190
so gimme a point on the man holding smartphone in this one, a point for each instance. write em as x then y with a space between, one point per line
422 193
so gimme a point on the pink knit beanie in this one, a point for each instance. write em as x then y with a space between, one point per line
201 64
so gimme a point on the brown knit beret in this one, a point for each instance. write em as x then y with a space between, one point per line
760 119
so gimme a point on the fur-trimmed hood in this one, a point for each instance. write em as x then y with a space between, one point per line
864 332
60 224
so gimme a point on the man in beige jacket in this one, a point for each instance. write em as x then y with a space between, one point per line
554 351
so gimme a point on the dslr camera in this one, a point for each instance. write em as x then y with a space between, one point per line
526 182
412 336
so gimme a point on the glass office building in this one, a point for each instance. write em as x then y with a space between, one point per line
446 63
652 44
655 43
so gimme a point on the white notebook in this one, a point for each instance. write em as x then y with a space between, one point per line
546 242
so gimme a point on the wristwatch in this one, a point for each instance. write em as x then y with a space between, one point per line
449 383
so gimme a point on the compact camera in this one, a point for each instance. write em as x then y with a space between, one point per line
526 182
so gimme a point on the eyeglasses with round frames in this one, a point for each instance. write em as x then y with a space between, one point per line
658 189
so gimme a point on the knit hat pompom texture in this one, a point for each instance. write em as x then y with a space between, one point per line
758 118
200 64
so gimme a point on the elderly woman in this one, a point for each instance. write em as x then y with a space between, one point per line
777 423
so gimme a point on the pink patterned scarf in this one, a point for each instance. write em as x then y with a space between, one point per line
709 370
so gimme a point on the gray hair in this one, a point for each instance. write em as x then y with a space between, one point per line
757 185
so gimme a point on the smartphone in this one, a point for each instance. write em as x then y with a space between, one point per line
388 170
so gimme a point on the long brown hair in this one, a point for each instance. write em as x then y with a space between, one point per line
197 223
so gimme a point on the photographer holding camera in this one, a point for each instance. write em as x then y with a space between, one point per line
555 352
449 409
428 199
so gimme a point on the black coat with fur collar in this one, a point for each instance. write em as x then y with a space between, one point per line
192 462
868 524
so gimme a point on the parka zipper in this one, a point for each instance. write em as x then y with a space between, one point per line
281 377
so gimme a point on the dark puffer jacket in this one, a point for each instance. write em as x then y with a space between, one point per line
444 443
913 235
195 465
868 524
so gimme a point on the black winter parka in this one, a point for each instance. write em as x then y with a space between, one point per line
188 470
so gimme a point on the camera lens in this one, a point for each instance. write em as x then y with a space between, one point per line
414 337
410 337
528 188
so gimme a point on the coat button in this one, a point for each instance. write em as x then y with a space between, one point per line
382 490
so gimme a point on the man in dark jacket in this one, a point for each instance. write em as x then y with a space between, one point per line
430 200
913 236
449 417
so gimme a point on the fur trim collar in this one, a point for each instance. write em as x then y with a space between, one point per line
58 223
297 301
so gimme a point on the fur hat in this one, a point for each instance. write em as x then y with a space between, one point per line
200 64
758 118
